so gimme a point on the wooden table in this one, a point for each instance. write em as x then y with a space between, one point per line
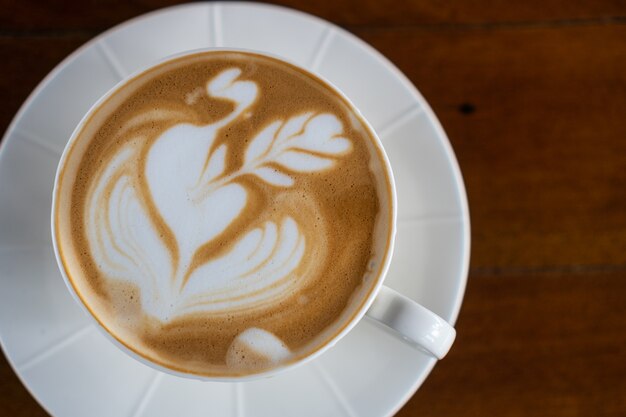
533 97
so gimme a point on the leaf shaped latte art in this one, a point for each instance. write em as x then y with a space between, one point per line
305 143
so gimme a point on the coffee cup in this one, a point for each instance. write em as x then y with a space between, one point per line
226 215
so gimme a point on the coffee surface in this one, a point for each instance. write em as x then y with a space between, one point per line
221 213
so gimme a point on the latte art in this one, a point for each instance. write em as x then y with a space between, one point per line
197 200
222 215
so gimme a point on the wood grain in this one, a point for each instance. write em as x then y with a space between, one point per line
46 15
533 98
15 400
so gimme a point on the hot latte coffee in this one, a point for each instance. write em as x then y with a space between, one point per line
223 213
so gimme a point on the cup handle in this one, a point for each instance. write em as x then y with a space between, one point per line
415 324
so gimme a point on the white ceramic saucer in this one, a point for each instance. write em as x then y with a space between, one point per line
69 366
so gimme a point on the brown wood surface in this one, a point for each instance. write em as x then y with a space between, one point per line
100 14
533 97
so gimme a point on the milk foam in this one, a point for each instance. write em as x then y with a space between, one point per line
256 348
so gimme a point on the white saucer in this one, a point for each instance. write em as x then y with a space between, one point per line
69 366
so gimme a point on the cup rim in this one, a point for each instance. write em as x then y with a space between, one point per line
349 325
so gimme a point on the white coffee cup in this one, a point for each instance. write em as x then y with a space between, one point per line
404 317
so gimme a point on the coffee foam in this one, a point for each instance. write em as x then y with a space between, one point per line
202 228
256 349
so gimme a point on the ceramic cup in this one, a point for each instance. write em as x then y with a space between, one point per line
396 313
